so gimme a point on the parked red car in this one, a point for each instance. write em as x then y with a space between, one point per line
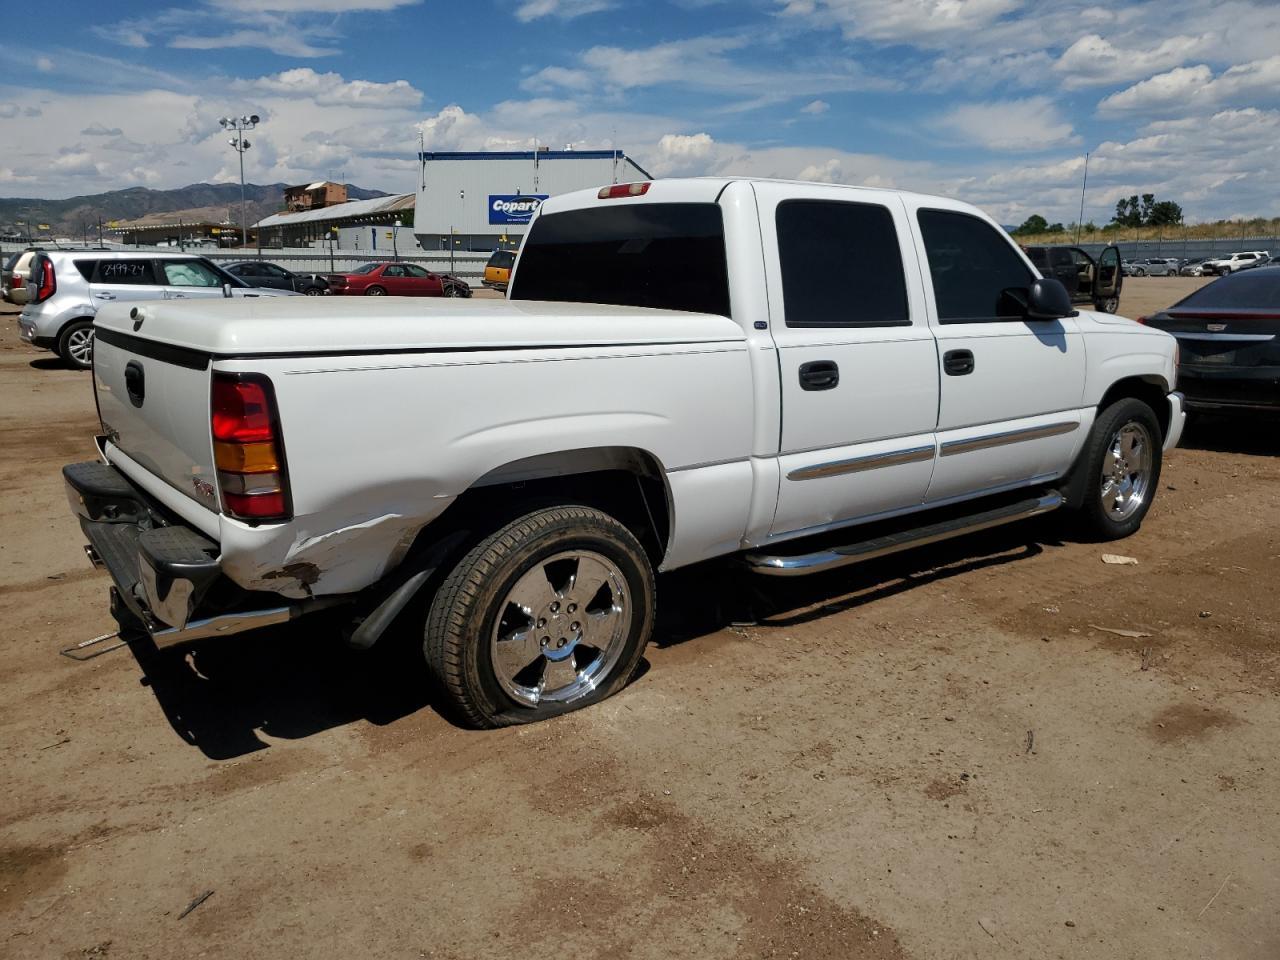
396 280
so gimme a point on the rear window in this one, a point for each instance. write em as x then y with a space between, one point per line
666 255
502 259
1258 288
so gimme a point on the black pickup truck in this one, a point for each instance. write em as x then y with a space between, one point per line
1087 280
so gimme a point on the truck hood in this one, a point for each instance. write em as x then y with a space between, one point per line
308 325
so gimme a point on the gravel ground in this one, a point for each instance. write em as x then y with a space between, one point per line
952 753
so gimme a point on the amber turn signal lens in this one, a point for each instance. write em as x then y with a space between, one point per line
245 457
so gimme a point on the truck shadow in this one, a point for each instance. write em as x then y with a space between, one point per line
1256 434
702 600
232 697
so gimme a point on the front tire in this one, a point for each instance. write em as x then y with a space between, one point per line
1122 461
549 614
1107 304
75 344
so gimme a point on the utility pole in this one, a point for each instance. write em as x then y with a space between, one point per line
238 125
1083 187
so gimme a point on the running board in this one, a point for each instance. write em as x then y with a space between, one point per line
806 563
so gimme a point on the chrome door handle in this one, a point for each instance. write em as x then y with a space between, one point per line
105 296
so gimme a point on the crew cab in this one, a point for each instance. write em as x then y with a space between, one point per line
672 378
1235 261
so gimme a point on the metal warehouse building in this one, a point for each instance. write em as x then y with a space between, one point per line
485 200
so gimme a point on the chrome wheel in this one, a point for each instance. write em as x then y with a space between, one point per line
561 628
450 290
1126 471
80 346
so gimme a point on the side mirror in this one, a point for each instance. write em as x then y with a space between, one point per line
1048 300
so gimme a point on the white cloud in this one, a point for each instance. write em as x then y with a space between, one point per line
704 63
1023 125
98 130
9 110
44 64
563 9
1094 61
286 43
331 89
925 23
816 107
1196 89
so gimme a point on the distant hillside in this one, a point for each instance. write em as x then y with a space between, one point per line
74 215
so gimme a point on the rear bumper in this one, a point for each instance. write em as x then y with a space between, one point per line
1231 388
166 575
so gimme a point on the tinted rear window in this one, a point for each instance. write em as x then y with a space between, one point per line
1251 288
822 242
667 255
503 259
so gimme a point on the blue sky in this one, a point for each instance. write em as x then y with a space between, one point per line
994 101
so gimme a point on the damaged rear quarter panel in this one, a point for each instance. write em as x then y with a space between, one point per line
377 446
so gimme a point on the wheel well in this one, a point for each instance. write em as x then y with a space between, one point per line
1151 392
63 329
627 483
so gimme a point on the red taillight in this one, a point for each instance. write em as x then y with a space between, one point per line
247 448
624 190
48 281
17 281
1140 319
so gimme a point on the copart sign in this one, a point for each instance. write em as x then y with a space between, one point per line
518 208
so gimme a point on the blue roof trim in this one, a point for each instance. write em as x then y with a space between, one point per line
525 155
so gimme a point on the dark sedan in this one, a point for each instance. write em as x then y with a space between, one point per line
260 273
1229 336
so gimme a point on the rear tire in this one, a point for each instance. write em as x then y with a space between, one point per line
312 291
1121 464
375 292
549 614
75 344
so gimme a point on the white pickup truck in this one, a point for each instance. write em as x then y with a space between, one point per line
803 374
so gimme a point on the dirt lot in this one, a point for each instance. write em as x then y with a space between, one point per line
945 755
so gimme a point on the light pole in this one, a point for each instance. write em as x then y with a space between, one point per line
238 125
395 235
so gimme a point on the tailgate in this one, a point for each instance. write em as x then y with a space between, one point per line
153 400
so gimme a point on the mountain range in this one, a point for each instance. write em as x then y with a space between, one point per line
78 216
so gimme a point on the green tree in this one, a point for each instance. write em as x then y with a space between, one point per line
1166 213
1033 224
1055 228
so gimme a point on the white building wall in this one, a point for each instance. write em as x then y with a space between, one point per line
455 188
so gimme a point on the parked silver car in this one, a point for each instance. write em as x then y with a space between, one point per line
66 288
1155 267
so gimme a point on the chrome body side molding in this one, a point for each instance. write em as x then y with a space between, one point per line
952 447
857 464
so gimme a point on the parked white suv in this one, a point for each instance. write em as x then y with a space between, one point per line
1236 261
65 288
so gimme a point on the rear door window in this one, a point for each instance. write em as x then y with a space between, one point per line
124 273
822 243
977 274
667 255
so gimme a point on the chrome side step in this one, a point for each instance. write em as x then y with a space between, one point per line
822 560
